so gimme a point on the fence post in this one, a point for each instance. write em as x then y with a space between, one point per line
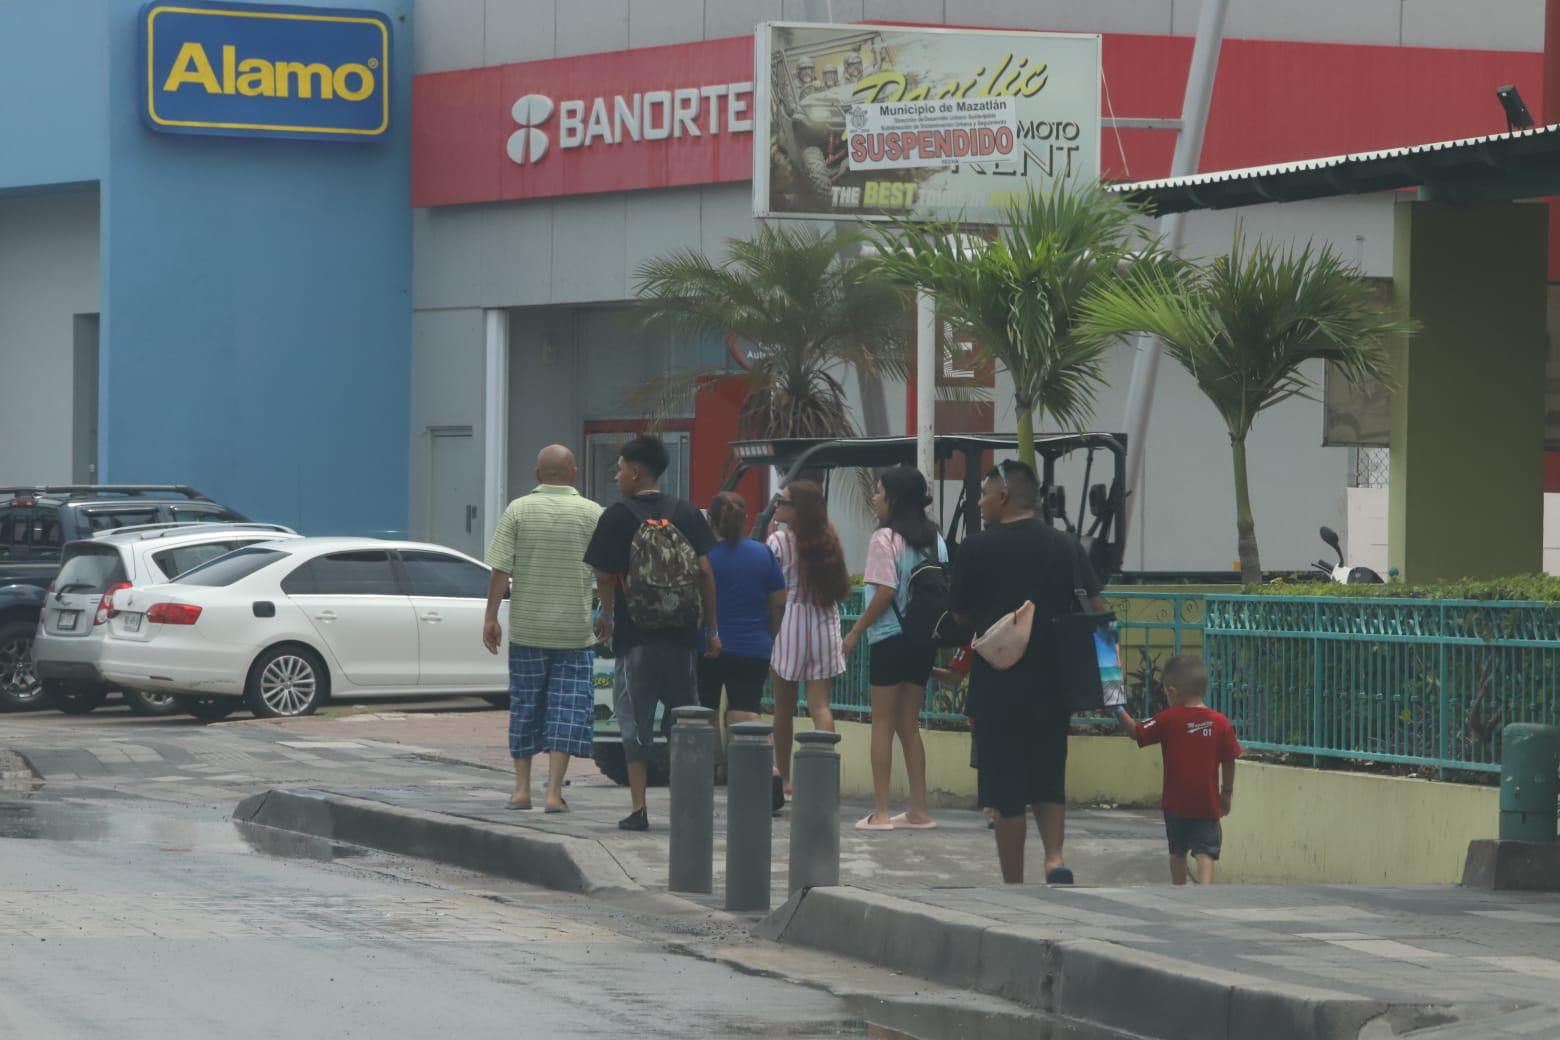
690 866
1445 696
1316 683
749 817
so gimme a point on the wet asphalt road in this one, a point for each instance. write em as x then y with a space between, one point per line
124 919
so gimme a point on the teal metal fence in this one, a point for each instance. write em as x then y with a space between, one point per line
1416 682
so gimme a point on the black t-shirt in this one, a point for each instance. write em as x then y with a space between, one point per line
609 551
996 571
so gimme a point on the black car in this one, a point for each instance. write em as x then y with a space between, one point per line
35 524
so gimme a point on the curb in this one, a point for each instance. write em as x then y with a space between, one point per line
1087 980
555 861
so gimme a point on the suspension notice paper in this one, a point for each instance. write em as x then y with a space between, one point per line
908 135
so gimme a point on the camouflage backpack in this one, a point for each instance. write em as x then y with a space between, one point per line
661 588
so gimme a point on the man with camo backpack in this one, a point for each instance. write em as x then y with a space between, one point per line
655 587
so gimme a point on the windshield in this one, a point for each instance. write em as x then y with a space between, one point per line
89 568
235 566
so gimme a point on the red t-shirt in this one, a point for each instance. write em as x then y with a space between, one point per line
1197 740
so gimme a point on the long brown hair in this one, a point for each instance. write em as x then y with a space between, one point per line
728 516
822 578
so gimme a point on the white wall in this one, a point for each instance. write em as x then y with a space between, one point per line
48 274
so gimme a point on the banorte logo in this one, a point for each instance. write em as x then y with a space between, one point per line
682 113
529 143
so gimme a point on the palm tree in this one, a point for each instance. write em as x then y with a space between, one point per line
1017 294
806 313
1242 326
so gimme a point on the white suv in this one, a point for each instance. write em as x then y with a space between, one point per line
76 609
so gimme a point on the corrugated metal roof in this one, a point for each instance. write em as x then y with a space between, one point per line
1520 162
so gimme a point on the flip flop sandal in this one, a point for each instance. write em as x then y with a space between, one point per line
557 808
519 806
866 824
1059 876
902 822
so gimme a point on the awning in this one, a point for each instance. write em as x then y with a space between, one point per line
1522 164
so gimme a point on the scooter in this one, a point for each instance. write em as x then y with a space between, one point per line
1343 574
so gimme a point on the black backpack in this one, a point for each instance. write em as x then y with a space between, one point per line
926 617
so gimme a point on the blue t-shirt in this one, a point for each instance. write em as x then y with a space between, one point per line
746 572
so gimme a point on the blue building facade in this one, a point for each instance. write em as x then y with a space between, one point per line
254 294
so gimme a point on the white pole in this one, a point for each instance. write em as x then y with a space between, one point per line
1188 147
925 383
495 422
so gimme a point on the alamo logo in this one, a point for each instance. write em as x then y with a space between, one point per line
245 70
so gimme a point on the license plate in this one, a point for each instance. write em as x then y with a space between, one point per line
66 620
133 622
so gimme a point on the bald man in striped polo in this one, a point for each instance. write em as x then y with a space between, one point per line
540 542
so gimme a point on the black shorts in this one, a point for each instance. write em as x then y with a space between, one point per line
1199 837
741 677
1022 759
899 659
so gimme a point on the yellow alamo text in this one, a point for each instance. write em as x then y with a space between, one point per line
256 77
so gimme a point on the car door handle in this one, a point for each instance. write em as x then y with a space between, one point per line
433 617
326 615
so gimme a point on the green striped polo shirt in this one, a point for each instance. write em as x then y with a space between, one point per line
541 542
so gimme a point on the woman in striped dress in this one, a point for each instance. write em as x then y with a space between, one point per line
807 649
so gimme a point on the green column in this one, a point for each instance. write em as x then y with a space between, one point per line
1467 481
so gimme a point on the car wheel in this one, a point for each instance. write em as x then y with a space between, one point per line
286 681
498 700
20 688
208 709
151 703
75 702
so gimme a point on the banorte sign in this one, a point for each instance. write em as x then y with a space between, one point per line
657 117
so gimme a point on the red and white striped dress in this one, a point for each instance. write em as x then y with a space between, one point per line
808 645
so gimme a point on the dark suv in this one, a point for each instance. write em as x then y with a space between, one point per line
35 524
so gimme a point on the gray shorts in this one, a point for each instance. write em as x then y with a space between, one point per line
644 676
1199 837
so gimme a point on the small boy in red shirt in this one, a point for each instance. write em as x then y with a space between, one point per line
1199 745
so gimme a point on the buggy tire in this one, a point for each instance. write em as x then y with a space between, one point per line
815 166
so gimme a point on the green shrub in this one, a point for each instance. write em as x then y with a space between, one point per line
1539 588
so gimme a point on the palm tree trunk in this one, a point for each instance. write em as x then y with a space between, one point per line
1245 525
1026 435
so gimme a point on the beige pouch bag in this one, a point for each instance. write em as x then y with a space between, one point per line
1004 643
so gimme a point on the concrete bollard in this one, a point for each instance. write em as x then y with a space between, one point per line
749 818
691 862
815 812
1529 782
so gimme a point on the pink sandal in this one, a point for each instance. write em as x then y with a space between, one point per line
866 824
902 822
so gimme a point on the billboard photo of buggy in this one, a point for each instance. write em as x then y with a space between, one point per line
818 85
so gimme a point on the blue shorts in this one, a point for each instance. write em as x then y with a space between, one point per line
552 701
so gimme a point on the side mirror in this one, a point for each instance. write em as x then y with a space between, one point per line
1099 501
1331 538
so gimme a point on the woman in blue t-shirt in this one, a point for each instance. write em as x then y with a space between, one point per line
749 603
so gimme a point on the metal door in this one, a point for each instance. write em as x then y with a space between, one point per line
455 487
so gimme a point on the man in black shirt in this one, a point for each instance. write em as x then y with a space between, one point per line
1020 720
654 664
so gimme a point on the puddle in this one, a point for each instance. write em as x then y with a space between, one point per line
43 820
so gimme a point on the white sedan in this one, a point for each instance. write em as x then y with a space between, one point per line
284 625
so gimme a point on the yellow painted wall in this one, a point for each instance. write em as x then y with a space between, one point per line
1325 827
1289 825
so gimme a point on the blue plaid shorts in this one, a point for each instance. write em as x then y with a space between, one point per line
552 701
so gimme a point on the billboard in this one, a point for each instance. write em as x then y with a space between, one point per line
885 122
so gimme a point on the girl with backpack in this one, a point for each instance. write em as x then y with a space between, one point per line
900 662
808 649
